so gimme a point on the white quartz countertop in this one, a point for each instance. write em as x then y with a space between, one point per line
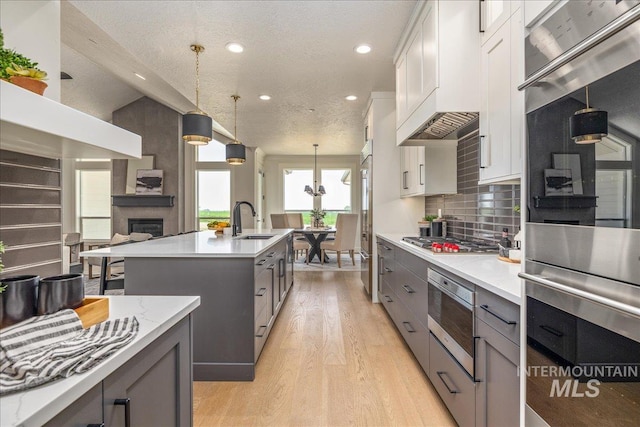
155 314
199 244
486 271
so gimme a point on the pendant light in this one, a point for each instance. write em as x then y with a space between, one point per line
589 125
197 125
307 188
236 151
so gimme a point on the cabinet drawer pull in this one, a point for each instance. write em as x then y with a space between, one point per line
408 289
270 254
388 270
551 330
408 327
386 248
261 292
261 262
271 267
441 374
127 410
263 329
485 307
388 298
95 425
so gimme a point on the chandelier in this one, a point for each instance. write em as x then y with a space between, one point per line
235 152
197 125
320 190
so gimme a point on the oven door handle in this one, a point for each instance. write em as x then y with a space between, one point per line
615 26
625 308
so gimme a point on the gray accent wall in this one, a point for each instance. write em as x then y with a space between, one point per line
160 128
30 215
477 211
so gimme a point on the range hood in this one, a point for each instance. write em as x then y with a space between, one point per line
36 125
447 126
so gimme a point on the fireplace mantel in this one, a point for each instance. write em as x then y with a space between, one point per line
146 200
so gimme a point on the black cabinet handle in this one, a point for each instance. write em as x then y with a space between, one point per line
261 262
485 307
408 327
270 254
441 375
421 174
127 410
551 330
261 292
95 425
404 180
388 298
388 270
480 157
408 289
264 329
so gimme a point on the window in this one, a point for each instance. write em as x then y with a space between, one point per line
94 204
214 151
214 196
295 199
337 183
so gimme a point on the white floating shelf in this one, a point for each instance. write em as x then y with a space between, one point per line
36 125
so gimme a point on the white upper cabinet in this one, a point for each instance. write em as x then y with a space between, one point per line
429 169
494 13
437 64
535 9
502 105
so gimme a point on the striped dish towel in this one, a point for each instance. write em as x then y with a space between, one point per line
45 348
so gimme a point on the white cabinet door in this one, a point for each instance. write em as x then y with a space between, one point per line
494 13
414 70
430 50
401 90
406 170
517 96
495 106
535 9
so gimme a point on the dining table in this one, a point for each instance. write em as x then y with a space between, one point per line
315 236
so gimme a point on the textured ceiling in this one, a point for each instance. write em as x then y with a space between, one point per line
298 52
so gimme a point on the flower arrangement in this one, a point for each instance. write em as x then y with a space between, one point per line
318 215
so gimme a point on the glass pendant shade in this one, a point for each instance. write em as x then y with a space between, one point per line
197 128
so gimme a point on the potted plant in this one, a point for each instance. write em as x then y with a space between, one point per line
20 70
317 215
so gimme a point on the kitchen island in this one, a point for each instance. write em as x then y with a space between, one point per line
156 367
242 282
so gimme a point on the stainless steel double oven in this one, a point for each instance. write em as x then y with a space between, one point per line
582 237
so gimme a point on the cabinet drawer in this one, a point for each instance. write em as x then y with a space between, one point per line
414 333
454 386
387 268
500 314
413 292
261 332
386 249
414 264
260 299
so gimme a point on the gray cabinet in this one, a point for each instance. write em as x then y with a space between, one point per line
155 384
453 384
240 300
497 361
404 296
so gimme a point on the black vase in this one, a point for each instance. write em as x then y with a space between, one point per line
18 301
60 292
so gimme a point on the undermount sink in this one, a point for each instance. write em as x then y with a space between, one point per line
256 237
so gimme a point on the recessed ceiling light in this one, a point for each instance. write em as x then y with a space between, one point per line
311 110
351 98
265 97
234 47
139 76
363 48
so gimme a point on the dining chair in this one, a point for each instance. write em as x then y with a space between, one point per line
279 221
110 280
345 240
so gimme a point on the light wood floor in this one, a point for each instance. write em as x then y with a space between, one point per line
332 359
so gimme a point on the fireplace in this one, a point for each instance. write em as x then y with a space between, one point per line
152 226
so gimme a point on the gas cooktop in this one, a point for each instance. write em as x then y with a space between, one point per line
465 246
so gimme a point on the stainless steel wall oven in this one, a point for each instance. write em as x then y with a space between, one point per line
582 237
